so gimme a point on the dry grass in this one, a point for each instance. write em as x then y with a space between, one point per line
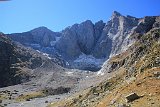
146 86
71 101
29 96
3 96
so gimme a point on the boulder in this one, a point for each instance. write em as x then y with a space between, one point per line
131 97
46 101
157 74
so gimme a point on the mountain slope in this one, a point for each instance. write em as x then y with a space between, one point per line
18 62
10 74
137 70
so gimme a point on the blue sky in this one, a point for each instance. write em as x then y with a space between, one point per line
24 15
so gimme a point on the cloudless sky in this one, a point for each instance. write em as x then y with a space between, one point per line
24 15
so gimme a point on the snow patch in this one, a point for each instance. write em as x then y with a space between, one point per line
47 55
67 63
69 73
54 42
38 51
83 58
100 73
35 45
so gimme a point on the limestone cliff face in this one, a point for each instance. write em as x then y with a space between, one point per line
118 29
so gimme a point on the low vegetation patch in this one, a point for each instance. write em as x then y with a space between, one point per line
29 96
57 91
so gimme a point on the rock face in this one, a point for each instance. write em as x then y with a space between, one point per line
118 30
67 45
7 70
100 40
77 39
5 54
85 35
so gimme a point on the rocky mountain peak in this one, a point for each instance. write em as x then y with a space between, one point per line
100 23
40 30
89 22
116 14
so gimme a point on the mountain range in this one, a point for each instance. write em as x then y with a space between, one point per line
86 45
